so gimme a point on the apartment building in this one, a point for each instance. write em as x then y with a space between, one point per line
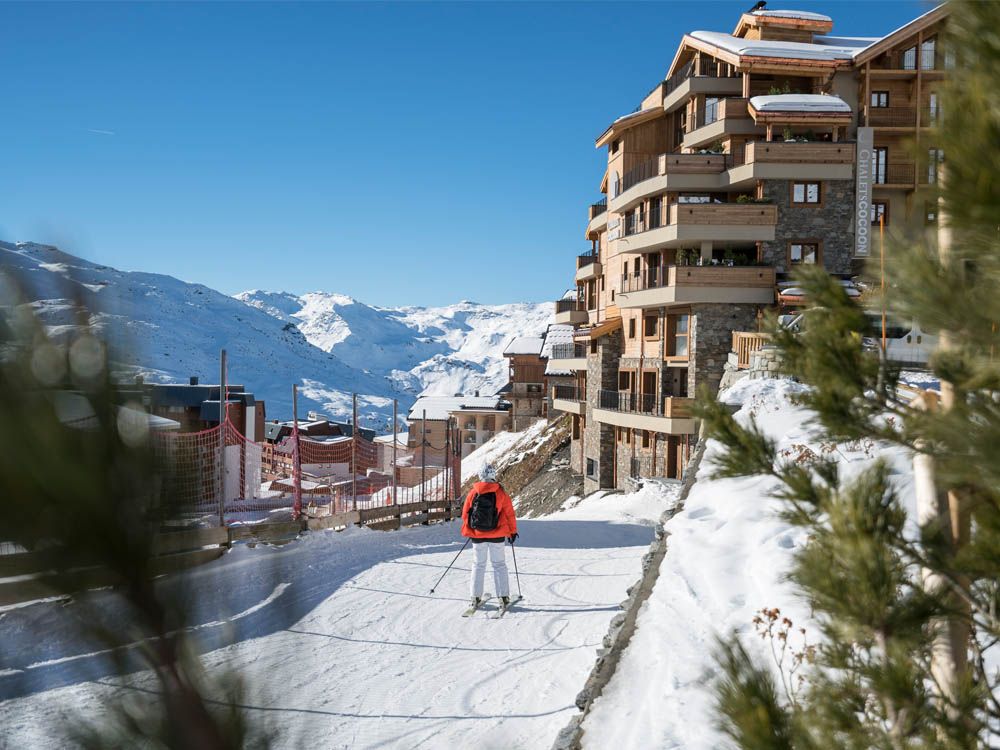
526 379
531 375
770 147
438 422
196 406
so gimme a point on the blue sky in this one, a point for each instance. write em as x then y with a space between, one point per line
415 153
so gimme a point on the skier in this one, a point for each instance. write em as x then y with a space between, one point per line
488 520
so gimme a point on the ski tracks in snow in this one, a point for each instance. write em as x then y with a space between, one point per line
379 663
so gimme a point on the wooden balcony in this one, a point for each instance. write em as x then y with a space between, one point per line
724 214
685 285
764 152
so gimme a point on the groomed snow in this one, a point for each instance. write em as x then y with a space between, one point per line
726 557
342 646
799 103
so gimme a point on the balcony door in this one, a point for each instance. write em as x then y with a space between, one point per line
880 163
649 392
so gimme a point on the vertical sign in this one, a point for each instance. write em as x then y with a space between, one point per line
863 173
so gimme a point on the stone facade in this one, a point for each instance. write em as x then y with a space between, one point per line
831 224
599 439
711 340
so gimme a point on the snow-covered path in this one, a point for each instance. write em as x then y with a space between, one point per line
343 646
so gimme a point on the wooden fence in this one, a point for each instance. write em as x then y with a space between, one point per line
25 576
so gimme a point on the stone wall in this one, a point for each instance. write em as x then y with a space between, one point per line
624 455
599 439
711 339
831 224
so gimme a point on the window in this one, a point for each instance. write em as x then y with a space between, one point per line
593 347
880 210
806 193
880 99
631 328
880 160
678 340
645 438
614 146
602 282
933 110
649 326
803 253
935 157
927 56
711 110
591 468
655 212
930 212
694 199
910 59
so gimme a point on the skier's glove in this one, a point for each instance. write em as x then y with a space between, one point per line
512 538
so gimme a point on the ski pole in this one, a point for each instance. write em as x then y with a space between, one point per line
451 563
516 575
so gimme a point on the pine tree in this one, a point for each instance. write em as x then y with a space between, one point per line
90 493
906 623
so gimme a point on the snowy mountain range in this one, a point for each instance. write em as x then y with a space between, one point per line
331 345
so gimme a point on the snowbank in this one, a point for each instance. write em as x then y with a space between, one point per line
726 557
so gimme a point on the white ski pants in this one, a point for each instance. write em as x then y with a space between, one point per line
499 562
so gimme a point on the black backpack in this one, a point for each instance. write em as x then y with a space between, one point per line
483 515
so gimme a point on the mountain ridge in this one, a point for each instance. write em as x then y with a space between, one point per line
331 344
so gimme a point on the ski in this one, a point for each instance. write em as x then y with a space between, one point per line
472 610
503 610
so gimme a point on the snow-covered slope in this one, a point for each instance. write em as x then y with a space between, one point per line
429 350
332 345
727 556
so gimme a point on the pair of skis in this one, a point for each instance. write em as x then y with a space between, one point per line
501 611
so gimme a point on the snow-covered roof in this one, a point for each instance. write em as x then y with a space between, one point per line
439 407
557 333
799 103
524 345
803 15
401 438
570 294
792 50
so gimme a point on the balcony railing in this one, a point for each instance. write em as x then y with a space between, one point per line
712 69
568 305
892 117
568 351
757 214
568 393
895 174
673 407
596 209
736 275
586 259
640 173
718 110
809 152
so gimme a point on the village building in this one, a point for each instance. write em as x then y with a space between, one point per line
771 147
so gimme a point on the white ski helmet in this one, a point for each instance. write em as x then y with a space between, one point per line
488 473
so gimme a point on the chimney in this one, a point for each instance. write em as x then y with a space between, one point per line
139 380
477 394
193 380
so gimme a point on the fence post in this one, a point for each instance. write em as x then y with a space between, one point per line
354 452
296 456
222 438
395 424
423 453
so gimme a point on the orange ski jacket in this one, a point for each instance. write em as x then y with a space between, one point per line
506 522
